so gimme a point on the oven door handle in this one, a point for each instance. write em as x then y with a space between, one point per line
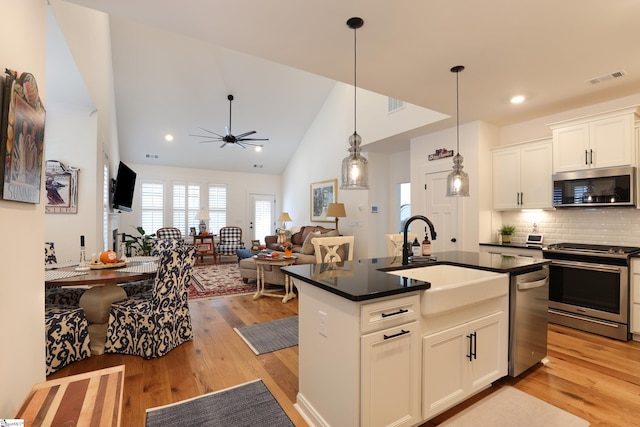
586 266
532 285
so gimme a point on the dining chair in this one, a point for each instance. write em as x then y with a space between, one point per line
59 295
395 241
230 241
153 323
332 249
67 336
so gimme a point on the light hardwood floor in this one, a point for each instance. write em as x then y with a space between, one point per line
593 377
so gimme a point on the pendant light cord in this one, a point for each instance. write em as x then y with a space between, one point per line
355 76
457 114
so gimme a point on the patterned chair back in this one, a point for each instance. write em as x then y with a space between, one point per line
333 249
169 233
171 284
50 253
394 243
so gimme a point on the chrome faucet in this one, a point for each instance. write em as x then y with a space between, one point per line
406 246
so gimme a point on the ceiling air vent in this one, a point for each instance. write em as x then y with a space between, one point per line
151 156
394 105
614 75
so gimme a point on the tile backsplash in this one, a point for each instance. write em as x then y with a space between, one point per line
598 226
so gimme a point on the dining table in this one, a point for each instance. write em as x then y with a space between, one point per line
101 283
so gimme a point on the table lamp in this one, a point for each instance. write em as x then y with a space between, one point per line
203 215
283 218
336 210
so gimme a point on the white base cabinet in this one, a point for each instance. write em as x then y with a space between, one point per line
462 360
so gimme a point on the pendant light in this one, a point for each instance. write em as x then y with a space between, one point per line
355 175
457 180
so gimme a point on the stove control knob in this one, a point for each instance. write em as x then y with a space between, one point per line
611 250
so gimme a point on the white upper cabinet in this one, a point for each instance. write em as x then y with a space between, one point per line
522 176
599 141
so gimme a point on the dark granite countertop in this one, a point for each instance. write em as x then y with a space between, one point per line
511 245
366 279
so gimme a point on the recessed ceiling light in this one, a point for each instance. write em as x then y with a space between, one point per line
168 137
517 99
258 148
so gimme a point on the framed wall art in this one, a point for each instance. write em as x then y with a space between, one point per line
21 139
323 193
61 184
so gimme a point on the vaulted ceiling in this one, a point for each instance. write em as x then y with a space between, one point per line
176 62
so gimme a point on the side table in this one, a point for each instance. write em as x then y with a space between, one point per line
206 246
274 262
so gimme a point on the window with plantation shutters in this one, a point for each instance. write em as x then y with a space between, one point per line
263 217
152 211
186 203
217 207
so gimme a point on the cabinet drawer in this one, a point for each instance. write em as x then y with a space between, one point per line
389 313
635 288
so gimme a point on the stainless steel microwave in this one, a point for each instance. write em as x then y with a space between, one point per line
595 187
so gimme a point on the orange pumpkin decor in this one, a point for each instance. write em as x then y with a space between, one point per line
275 254
108 257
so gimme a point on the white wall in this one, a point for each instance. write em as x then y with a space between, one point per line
239 188
22 361
71 140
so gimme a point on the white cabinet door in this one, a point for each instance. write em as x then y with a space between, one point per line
390 376
506 178
490 351
444 362
571 148
522 176
536 170
611 141
462 360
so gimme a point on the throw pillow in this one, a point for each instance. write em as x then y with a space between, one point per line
307 246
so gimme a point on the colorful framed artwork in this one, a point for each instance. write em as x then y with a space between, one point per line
323 193
21 139
61 184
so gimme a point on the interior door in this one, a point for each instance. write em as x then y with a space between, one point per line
262 217
443 213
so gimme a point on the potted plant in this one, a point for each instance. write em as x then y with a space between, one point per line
506 231
142 244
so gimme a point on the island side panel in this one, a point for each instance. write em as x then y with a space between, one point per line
329 366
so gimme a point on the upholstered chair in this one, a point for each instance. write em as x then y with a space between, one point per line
169 233
230 241
67 336
153 323
59 295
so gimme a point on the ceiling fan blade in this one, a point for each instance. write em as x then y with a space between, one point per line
242 135
222 146
240 144
253 144
206 141
206 136
253 139
206 130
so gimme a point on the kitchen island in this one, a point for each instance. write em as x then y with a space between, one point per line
371 354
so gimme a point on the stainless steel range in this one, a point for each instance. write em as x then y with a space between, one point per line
589 287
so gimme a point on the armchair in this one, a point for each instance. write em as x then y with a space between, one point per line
230 241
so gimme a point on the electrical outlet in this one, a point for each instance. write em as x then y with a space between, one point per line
322 316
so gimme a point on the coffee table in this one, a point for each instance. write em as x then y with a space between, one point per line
274 263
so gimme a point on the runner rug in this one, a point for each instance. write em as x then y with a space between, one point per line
216 280
250 404
510 407
270 336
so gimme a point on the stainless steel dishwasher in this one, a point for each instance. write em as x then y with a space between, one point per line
528 308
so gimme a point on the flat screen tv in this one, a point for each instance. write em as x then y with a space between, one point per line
123 188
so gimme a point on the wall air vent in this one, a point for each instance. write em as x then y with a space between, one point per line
151 156
394 105
614 75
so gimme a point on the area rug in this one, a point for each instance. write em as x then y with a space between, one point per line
249 404
510 407
270 336
215 280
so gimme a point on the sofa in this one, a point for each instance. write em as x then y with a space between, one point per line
302 249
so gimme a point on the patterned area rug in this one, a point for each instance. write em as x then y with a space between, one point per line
217 280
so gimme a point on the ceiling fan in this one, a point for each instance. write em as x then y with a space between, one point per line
237 140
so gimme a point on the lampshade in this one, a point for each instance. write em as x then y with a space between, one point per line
336 210
457 180
284 217
202 215
355 174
